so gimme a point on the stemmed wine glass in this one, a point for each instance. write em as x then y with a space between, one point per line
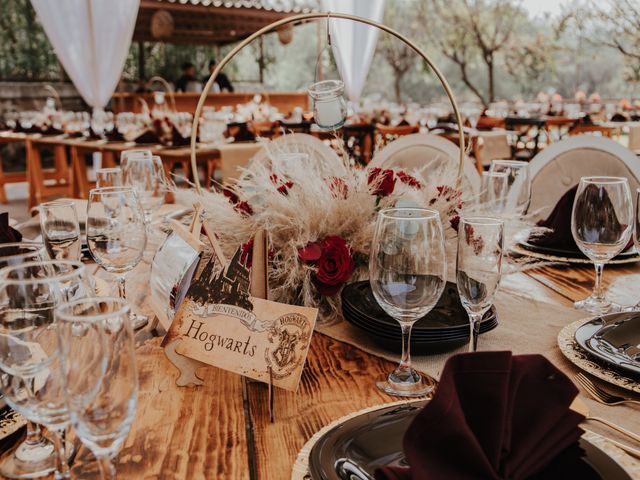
35 455
493 194
30 375
518 195
145 174
601 224
100 377
60 229
108 177
479 267
116 234
407 270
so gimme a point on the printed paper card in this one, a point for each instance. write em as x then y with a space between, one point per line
221 324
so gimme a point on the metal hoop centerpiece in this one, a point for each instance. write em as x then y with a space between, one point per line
310 16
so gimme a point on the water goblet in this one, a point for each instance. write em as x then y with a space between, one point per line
479 267
116 234
100 377
60 230
407 272
601 224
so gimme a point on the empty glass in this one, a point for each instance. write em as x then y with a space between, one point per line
31 379
601 224
519 185
35 455
493 194
60 230
479 267
145 174
116 234
407 269
108 177
100 376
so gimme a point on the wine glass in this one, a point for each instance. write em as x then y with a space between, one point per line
60 229
30 376
493 194
601 224
116 234
100 375
35 455
109 177
146 175
407 269
518 194
479 267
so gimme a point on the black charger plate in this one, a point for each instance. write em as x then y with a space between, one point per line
568 253
614 339
354 449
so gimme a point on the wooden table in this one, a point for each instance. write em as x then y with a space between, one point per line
220 431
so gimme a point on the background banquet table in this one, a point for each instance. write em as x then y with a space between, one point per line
222 429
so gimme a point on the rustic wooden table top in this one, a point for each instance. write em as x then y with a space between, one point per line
219 431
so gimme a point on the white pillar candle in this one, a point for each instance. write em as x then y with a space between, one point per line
329 113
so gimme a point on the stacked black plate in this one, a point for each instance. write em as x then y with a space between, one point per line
571 253
444 328
614 339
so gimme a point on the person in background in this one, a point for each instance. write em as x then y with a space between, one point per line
185 82
222 81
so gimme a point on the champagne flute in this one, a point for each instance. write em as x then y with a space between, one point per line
35 455
493 194
109 177
478 268
145 174
518 195
601 224
100 375
30 375
116 234
407 270
60 229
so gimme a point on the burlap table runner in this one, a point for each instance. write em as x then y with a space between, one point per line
525 325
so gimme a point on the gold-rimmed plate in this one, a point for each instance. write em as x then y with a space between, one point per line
521 250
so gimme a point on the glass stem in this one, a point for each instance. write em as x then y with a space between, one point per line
34 434
62 466
474 324
121 286
107 470
405 360
598 290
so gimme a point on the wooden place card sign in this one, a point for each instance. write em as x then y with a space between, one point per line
221 324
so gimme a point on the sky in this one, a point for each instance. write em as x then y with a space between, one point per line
539 7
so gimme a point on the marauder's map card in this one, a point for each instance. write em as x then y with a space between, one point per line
221 324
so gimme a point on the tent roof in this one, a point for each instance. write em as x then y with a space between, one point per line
201 22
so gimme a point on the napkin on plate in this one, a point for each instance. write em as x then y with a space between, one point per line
8 234
559 224
495 416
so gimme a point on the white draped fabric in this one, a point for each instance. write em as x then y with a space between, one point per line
354 43
91 39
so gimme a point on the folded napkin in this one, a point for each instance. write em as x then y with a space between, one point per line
8 234
495 416
559 223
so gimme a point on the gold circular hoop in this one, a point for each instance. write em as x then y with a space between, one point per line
310 16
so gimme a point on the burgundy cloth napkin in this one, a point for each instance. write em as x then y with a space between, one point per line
559 222
495 416
8 234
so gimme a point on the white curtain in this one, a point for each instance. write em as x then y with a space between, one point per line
354 43
91 39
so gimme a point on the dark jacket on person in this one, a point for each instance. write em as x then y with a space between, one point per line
223 82
183 81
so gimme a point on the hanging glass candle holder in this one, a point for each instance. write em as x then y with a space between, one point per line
329 106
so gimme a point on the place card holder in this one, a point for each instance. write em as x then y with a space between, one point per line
259 287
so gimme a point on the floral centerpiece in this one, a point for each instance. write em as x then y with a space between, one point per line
320 216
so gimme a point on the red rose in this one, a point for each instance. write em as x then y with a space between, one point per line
311 252
231 195
244 207
281 186
410 180
381 181
455 222
334 267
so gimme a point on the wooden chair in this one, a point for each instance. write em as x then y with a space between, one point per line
235 156
424 152
634 138
358 141
385 133
489 146
559 167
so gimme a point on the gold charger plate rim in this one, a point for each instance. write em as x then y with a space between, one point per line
520 250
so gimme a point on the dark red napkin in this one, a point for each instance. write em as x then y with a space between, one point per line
495 416
8 234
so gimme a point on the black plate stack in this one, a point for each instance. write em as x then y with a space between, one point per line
446 327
